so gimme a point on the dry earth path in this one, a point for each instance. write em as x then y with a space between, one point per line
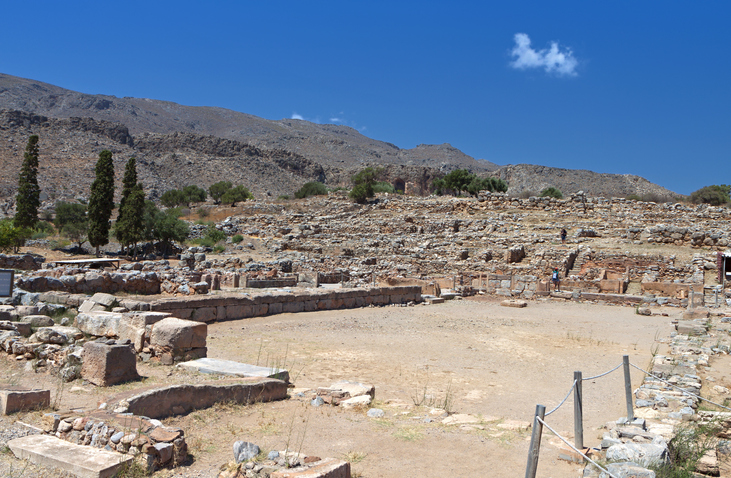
495 363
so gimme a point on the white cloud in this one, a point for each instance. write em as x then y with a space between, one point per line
553 59
296 116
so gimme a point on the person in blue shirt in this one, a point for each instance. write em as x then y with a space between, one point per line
556 280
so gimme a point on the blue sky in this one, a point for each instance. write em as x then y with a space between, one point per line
618 87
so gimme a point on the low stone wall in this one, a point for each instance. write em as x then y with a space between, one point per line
148 440
181 399
135 282
271 283
26 262
238 306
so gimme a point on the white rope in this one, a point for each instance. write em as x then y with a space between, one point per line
603 374
681 389
575 449
562 401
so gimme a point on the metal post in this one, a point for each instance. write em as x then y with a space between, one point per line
628 389
578 413
535 443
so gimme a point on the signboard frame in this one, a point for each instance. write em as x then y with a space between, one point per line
6 290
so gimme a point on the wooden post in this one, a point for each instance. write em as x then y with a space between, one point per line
535 443
578 413
628 389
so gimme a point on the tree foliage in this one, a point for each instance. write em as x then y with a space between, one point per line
12 237
313 188
218 190
173 198
69 213
714 195
194 193
27 201
237 194
164 226
461 180
552 192
71 221
383 187
101 201
363 183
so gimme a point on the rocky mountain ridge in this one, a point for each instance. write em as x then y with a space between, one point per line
178 145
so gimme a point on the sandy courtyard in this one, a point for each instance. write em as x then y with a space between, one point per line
495 363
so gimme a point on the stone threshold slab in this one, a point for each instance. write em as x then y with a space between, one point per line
83 461
238 369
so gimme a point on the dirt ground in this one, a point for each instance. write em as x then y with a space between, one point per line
495 363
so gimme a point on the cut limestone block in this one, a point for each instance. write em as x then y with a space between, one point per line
106 365
696 313
690 327
99 324
514 303
83 461
325 468
178 334
107 300
229 367
38 320
17 399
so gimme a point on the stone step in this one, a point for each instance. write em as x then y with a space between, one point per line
238 369
83 461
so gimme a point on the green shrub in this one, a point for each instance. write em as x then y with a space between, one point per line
313 188
237 194
284 197
203 213
552 193
237 238
219 248
714 195
215 235
194 194
363 183
383 187
173 198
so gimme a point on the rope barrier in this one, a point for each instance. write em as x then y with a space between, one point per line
576 449
564 399
602 374
681 389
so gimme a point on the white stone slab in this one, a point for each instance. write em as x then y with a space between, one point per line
83 461
229 367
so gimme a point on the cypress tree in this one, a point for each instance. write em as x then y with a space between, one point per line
101 202
28 199
127 229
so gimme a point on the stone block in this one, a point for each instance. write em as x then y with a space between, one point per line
228 367
8 312
234 312
514 303
325 468
24 310
82 461
38 320
91 306
178 334
696 313
106 365
107 300
687 327
203 314
99 324
16 400
275 308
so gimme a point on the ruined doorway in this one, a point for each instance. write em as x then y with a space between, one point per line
399 185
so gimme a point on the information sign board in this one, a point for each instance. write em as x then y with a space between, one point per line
6 282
